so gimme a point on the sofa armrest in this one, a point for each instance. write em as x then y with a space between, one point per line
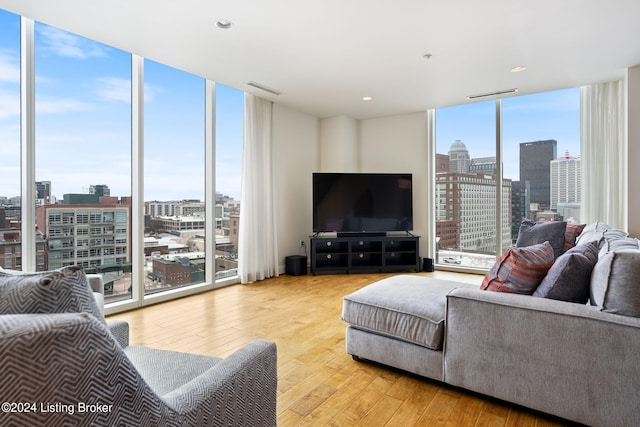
570 360
240 390
96 282
97 287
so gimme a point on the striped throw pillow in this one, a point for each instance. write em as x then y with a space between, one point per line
520 270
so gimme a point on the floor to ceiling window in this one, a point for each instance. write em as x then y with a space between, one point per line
10 212
92 141
541 145
466 185
539 173
83 155
229 138
174 178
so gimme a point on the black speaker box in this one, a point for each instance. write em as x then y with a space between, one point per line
295 265
427 265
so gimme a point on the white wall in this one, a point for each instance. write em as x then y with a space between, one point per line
339 144
295 157
398 144
304 144
633 135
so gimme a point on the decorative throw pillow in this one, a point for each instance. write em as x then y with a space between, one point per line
571 235
58 291
569 277
519 270
534 233
614 283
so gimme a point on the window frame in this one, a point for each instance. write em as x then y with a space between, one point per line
28 187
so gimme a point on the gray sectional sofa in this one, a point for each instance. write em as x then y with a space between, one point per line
578 361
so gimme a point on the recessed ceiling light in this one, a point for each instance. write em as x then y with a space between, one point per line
518 69
427 56
367 98
224 24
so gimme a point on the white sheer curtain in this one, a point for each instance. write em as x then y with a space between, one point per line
604 154
257 244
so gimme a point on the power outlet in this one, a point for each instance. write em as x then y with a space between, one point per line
302 243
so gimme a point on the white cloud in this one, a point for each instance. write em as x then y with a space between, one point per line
9 67
9 104
114 89
118 89
65 44
151 91
61 105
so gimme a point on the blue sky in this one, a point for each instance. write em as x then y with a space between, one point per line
9 105
83 118
548 115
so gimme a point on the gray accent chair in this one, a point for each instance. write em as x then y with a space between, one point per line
73 368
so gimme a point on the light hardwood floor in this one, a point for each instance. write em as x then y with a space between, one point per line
318 383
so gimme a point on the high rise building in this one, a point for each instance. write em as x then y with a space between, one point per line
157 208
99 189
459 159
535 167
89 235
190 208
11 249
520 206
565 181
466 212
43 193
80 199
175 208
442 163
483 165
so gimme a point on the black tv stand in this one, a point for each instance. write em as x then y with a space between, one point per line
362 234
364 253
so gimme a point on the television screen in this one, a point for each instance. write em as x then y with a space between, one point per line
362 202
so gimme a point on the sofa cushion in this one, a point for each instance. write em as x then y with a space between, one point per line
569 277
519 270
597 231
58 291
533 233
408 308
613 242
614 283
166 370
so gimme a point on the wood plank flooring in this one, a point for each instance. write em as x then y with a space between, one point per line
318 383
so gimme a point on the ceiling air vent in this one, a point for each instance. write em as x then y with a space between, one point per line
265 88
500 92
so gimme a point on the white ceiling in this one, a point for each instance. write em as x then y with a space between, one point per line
324 56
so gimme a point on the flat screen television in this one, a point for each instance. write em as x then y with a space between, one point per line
349 203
